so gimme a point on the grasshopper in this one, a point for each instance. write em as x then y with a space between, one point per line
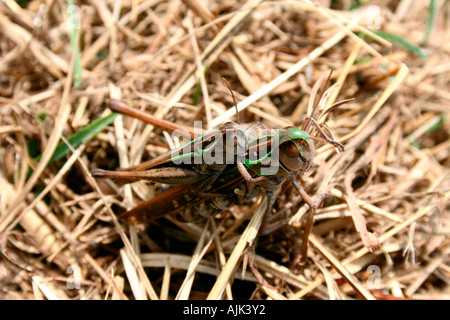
248 162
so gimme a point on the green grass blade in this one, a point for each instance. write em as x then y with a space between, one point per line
81 136
437 125
402 42
355 5
198 90
432 11
74 17
196 95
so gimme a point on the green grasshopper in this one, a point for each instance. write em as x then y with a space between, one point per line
247 163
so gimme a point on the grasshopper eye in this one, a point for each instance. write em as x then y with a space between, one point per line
297 155
290 149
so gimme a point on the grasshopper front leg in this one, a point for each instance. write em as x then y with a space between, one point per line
250 182
252 132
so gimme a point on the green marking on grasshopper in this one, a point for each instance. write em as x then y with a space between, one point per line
291 133
191 154
297 134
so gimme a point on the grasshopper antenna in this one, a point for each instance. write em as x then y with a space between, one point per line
315 99
234 99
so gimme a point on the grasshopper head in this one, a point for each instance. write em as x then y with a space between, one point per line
296 150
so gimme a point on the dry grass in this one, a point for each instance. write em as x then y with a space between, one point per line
391 186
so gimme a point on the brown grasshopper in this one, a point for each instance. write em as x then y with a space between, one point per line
247 163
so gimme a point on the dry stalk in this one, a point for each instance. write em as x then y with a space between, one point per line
244 242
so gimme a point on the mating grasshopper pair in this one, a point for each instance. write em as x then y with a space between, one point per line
238 173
